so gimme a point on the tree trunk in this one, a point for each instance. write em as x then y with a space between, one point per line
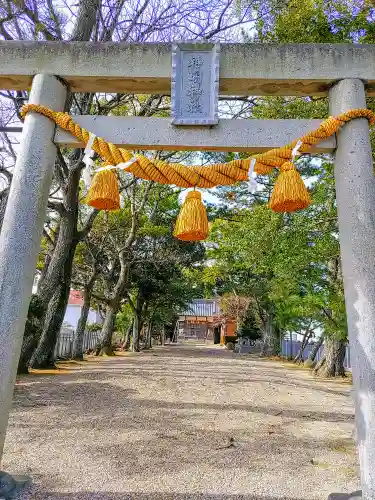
266 338
107 330
54 276
299 356
290 345
47 293
138 321
49 283
136 331
265 344
310 361
44 353
77 352
33 332
43 273
319 366
86 19
271 337
275 335
334 356
305 340
112 308
127 338
148 343
29 343
43 356
3 204
162 336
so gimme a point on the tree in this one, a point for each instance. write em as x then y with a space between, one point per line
116 20
242 254
307 269
159 282
87 266
120 256
290 265
124 324
53 292
269 279
310 361
143 265
235 306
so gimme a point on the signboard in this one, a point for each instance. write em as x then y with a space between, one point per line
195 83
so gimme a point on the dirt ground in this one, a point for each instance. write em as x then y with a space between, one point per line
182 423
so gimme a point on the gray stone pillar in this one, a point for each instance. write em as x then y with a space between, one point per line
21 232
355 194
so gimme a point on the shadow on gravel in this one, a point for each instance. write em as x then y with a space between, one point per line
356 495
91 495
75 391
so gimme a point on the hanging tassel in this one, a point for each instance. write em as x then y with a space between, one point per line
289 193
192 222
103 193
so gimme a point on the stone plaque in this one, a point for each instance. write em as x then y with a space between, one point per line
195 83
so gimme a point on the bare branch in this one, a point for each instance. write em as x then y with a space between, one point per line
88 224
56 206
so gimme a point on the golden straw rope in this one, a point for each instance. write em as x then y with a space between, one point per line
203 177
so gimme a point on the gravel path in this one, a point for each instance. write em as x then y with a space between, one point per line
182 423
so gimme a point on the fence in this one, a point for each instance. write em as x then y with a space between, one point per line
288 350
64 344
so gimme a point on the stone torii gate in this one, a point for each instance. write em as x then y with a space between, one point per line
344 72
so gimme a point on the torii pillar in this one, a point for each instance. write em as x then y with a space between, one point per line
355 195
20 240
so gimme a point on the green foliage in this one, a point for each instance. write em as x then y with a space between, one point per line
161 272
165 276
317 21
93 327
124 318
289 264
250 327
286 266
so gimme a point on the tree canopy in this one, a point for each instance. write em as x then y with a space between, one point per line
285 267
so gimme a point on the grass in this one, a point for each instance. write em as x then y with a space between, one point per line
49 371
350 472
289 363
62 368
348 380
342 445
322 465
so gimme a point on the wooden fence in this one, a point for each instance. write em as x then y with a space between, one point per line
64 344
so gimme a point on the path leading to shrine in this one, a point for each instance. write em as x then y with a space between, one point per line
182 423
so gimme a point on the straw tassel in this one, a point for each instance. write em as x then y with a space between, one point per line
103 193
289 193
192 222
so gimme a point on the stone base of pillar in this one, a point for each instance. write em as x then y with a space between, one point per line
356 495
10 486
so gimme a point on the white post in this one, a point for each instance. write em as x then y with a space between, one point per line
21 232
355 194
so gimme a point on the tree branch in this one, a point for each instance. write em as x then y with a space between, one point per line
88 225
56 206
101 298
